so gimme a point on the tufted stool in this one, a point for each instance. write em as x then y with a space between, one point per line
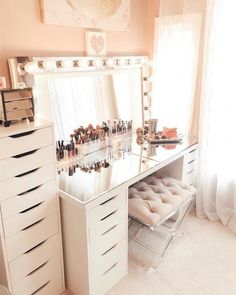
153 199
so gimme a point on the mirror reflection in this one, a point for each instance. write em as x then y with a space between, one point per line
94 97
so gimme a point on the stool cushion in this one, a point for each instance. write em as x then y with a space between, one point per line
154 198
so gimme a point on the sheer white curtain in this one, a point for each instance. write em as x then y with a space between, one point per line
177 39
217 165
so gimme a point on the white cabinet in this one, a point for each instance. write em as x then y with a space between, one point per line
30 235
190 166
95 242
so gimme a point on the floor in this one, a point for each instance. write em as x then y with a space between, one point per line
200 261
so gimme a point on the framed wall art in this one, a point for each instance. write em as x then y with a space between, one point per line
95 43
97 14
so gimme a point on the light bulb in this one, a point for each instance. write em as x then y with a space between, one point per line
31 67
49 65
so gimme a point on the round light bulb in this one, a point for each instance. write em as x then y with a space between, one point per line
49 66
31 67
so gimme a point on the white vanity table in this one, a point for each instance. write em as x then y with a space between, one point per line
94 206
96 246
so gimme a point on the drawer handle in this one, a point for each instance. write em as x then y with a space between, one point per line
191 161
24 154
107 231
107 251
190 171
112 198
40 244
22 134
110 268
44 285
192 151
29 190
42 265
28 172
30 208
33 224
108 215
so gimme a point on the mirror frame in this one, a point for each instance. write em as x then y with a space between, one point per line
23 69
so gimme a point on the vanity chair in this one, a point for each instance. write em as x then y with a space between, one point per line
160 204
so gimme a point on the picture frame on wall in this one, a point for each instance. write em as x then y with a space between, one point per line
95 43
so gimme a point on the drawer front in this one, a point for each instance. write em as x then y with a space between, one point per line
30 216
52 287
19 105
190 166
115 254
19 114
39 278
27 161
22 183
14 95
25 142
190 178
107 206
29 199
30 237
99 245
190 156
25 264
101 284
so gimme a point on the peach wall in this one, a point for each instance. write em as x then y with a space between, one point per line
23 34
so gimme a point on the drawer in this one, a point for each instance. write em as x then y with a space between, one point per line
30 216
27 161
18 105
25 142
31 260
117 252
28 199
39 278
190 177
190 156
99 245
190 166
14 95
52 287
107 206
104 282
24 182
19 114
31 236
101 226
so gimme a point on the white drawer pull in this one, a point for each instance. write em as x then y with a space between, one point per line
33 224
108 215
40 244
107 251
22 134
112 198
44 285
24 154
110 268
107 231
28 172
191 161
30 190
192 151
32 207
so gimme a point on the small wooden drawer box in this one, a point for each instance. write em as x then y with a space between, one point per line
16 104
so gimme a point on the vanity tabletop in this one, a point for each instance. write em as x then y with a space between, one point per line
94 176
158 152
106 169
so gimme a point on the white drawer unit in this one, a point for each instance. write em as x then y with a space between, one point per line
190 166
100 232
30 233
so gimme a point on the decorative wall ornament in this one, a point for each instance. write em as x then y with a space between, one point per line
98 14
95 43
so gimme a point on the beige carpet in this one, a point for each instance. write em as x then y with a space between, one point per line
200 261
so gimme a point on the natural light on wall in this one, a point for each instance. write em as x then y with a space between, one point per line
176 52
